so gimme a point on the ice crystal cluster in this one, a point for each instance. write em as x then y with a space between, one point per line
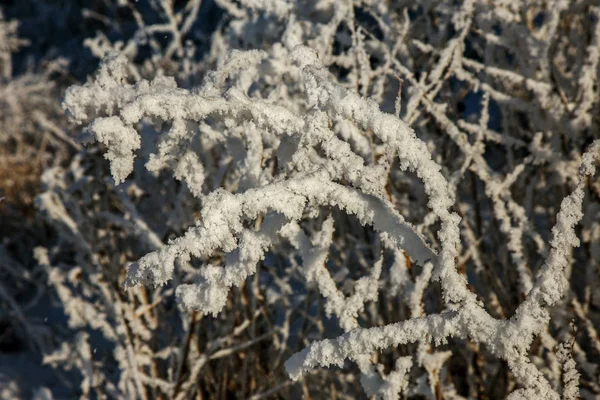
331 198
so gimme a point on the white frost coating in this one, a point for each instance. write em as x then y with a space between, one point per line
221 228
508 339
236 62
314 254
323 94
325 162
280 8
412 153
121 142
173 153
365 341
570 374
396 382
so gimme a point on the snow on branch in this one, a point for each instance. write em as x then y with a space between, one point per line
319 166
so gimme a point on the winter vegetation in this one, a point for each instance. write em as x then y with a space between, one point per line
345 199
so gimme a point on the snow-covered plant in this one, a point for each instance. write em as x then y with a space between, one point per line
10 42
370 198
318 171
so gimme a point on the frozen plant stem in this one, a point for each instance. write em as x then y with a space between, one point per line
335 177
